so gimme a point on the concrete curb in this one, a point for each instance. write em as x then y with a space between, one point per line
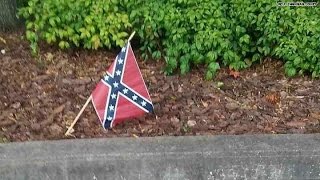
244 157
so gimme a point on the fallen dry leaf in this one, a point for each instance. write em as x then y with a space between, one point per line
175 120
153 80
234 74
59 109
6 123
273 97
49 57
205 104
3 40
315 115
156 99
165 88
180 89
191 123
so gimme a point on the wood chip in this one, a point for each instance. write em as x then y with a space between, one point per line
296 124
59 109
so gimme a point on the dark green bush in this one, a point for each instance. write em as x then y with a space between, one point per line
288 33
186 33
297 39
22 3
234 33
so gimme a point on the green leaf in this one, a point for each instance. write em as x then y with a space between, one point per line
315 74
184 67
29 25
213 67
211 56
266 50
291 72
156 54
248 62
198 45
297 61
64 45
255 57
30 35
260 17
209 75
52 22
95 40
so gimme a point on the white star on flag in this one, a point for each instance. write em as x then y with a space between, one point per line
134 97
113 96
143 103
123 49
125 91
111 108
115 84
109 118
120 61
118 72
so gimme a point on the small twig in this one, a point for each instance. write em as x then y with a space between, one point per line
295 97
3 40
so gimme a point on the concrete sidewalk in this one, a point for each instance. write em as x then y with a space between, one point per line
178 158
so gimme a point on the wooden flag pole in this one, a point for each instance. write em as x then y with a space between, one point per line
68 133
78 116
131 36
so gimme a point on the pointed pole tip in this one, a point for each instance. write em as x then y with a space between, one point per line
131 36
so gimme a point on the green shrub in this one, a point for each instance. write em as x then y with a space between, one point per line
186 33
80 23
287 33
235 33
297 39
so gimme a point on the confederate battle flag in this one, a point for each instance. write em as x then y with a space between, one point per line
121 94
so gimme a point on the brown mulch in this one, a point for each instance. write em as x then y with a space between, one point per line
39 98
